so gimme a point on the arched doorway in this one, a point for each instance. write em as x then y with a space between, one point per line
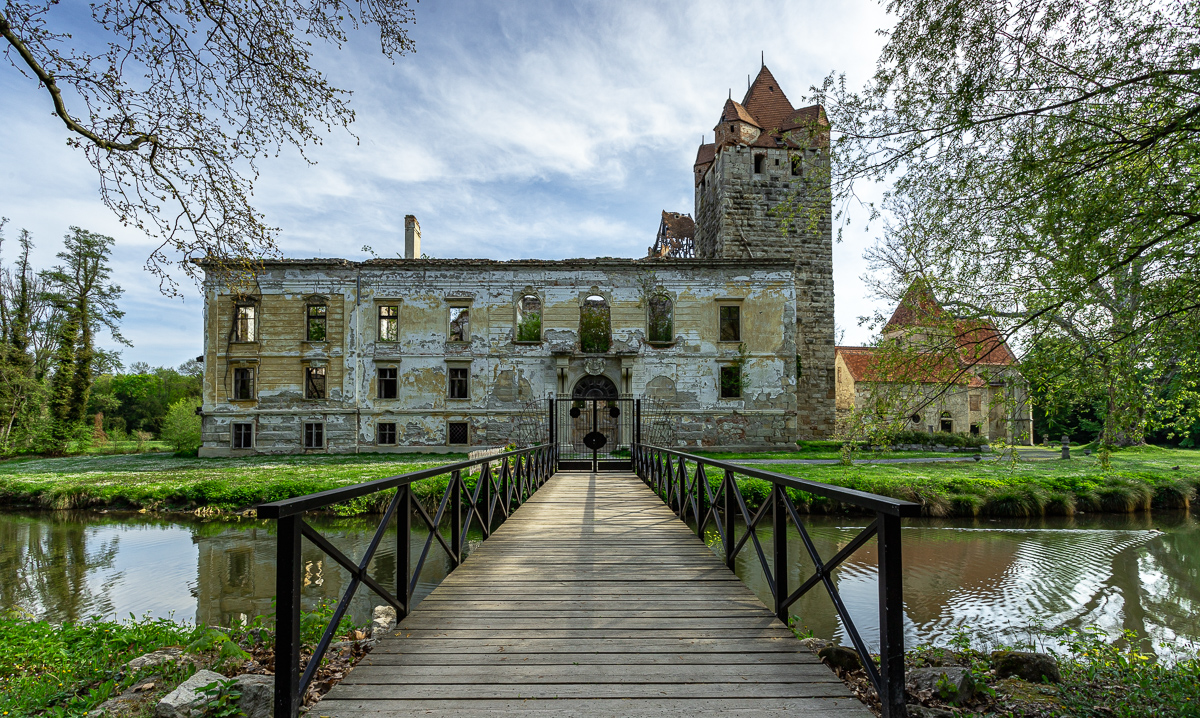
595 387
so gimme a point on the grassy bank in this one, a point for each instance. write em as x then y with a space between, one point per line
164 481
1139 479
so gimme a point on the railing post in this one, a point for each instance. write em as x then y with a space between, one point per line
891 617
700 507
730 513
287 617
455 518
779 519
485 497
404 549
637 421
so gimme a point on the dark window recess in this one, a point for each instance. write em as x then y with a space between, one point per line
731 324
314 382
797 165
388 383
459 387
314 436
460 324
243 436
243 323
243 384
975 429
731 382
947 422
458 432
916 418
316 322
662 325
758 163
385 433
389 323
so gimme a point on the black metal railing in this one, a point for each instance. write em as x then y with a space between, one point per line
689 493
505 481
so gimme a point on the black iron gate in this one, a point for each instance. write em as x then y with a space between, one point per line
594 434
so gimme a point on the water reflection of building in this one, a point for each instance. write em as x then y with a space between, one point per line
236 571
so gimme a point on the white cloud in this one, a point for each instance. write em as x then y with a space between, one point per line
532 129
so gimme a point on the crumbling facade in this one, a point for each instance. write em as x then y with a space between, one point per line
728 324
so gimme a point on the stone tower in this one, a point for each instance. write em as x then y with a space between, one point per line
768 156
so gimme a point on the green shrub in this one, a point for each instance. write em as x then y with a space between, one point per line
530 328
181 428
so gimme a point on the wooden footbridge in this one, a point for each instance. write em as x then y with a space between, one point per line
590 597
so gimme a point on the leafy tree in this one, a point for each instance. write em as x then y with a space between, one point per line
1044 157
20 310
181 426
174 102
81 289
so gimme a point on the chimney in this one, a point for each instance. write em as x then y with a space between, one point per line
412 238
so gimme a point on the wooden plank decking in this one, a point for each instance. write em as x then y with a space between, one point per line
591 600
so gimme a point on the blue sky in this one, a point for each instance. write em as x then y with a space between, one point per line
517 129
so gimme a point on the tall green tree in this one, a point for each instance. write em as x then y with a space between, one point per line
1044 157
23 319
82 290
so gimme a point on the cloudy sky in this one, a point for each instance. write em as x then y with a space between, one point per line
517 129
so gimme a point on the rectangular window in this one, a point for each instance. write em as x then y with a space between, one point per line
243 323
731 323
316 322
797 166
243 384
389 323
974 402
314 382
731 382
385 433
389 382
459 387
314 436
243 436
458 432
460 324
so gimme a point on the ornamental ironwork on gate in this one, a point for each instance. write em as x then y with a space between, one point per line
594 434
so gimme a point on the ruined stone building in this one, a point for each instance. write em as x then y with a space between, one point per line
933 372
728 325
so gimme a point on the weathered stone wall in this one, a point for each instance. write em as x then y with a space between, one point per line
508 379
736 217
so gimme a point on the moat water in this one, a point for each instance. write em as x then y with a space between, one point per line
1137 572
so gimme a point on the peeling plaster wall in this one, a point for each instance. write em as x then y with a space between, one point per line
734 220
507 379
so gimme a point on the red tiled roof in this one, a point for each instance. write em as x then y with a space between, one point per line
678 225
767 103
706 154
917 308
734 111
927 368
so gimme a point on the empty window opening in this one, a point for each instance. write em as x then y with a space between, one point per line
797 165
389 323
243 384
458 433
916 418
244 323
316 322
385 433
731 382
459 383
595 327
388 381
947 422
975 429
731 323
776 161
460 324
661 327
314 436
243 436
529 319
314 382
758 163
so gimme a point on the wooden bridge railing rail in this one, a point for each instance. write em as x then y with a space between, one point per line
689 493
505 481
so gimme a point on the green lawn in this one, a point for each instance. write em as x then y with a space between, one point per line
1140 478
164 481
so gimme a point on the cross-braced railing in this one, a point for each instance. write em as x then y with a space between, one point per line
505 481
682 481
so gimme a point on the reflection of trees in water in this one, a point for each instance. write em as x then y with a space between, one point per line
45 561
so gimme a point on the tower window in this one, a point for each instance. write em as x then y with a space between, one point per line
758 163
388 383
243 323
731 323
314 382
459 386
243 384
389 320
460 324
316 314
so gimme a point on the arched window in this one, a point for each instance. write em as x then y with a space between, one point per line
661 320
529 318
595 327
595 387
